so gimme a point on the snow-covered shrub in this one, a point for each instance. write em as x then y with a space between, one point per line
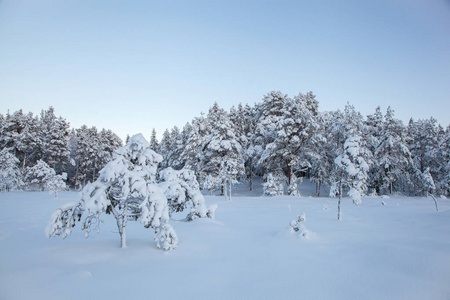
292 188
272 187
426 181
127 189
298 225
10 174
182 190
45 178
210 183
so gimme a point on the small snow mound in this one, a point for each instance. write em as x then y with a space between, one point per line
297 225
384 197
443 197
307 234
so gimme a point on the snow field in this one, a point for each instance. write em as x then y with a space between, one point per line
400 250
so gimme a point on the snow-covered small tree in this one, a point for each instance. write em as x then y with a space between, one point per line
210 183
292 188
182 191
45 178
127 189
353 170
426 182
272 187
10 174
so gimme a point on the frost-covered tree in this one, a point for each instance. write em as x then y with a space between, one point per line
272 186
222 153
154 141
56 136
10 175
322 163
87 155
392 156
20 133
292 188
353 170
182 191
210 183
193 146
427 182
285 130
45 178
127 189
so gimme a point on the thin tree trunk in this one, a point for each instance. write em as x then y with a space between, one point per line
121 223
123 237
289 171
251 175
339 201
320 185
230 191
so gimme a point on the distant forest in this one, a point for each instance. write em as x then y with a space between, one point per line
282 139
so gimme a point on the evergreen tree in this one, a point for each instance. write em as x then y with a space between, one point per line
353 170
45 178
285 129
154 141
127 189
392 156
222 152
10 175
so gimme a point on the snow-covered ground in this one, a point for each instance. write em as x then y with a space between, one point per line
400 250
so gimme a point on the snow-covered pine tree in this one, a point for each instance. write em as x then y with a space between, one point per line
193 151
10 175
20 133
44 177
222 153
164 149
127 189
272 186
325 150
425 135
353 170
182 191
87 155
56 134
176 147
286 127
109 142
210 183
292 188
392 156
154 141
425 182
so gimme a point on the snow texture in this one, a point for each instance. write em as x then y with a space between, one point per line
397 251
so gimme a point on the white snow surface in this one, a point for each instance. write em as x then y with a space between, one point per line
400 250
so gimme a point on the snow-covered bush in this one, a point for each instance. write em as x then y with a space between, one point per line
45 178
182 190
210 183
127 189
10 174
298 225
272 187
292 188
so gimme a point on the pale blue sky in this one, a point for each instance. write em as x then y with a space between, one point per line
134 65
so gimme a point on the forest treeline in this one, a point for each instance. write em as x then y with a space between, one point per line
281 138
